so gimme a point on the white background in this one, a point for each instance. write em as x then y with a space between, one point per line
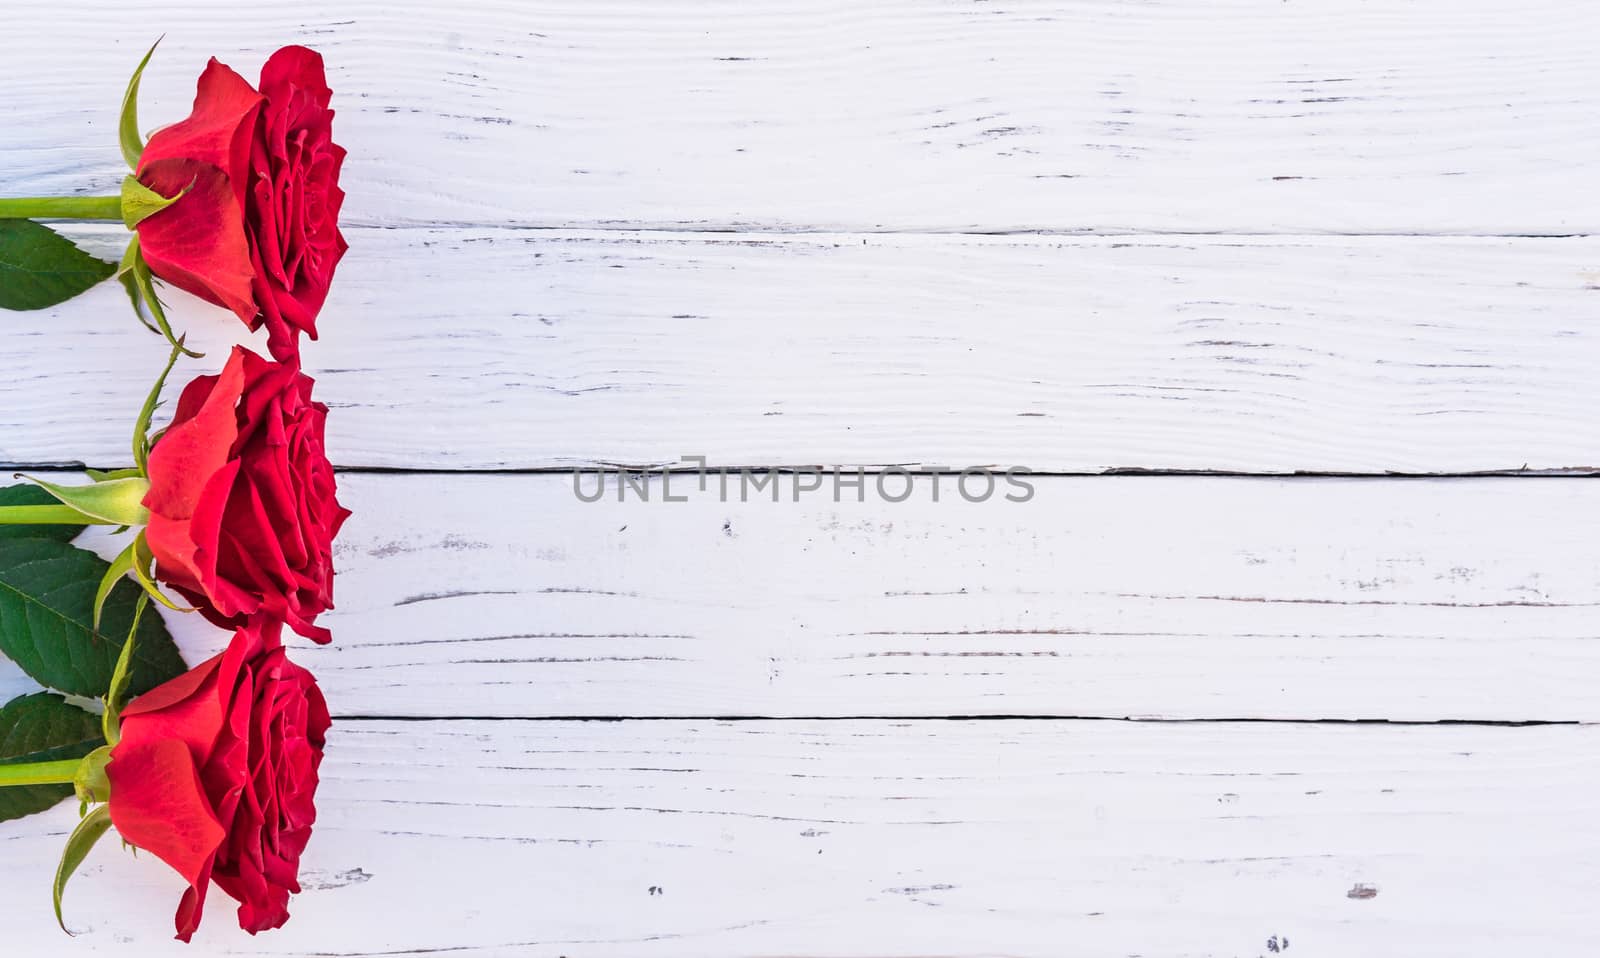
1224 711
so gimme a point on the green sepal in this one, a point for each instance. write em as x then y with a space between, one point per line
140 202
141 426
120 566
133 264
111 718
128 275
144 562
128 123
131 287
105 475
116 502
91 783
90 830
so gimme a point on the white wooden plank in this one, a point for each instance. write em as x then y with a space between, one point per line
1241 115
873 838
471 348
1112 596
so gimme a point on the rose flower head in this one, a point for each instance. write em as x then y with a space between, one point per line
216 774
256 229
242 499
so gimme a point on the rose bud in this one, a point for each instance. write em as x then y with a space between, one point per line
242 500
216 775
256 229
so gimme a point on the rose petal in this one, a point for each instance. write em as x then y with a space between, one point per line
192 451
217 131
295 68
157 804
198 244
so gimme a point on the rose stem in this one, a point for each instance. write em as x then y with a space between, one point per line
40 773
62 208
41 516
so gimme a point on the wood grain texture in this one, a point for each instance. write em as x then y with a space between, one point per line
537 280
1173 597
900 839
1466 116
466 349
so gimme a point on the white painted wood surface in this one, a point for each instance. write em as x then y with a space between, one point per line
1409 116
924 838
1167 597
623 233
465 349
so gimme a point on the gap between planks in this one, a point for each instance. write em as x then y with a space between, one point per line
997 717
778 233
1576 472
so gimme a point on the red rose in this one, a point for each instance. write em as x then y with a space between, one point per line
242 499
258 230
216 775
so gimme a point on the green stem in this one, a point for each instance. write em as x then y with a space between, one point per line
42 516
40 773
61 208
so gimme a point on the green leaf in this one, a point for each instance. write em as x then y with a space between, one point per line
90 830
140 202
47 594
128 123
39 267
115 502
28 494
42 727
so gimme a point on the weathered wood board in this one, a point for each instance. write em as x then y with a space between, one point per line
933 837
471 349
1417 116
1077 236
1174 597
